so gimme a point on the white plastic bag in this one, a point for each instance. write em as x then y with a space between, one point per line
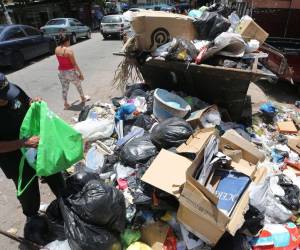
92 129
57 245
263 197
234 20
252 46
94 160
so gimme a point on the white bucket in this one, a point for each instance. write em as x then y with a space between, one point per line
167 105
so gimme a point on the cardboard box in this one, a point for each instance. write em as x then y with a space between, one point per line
155 234
251 30
195 118
198 211
155 28
294 144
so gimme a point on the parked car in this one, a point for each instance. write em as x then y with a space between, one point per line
114 25
20 43
70 26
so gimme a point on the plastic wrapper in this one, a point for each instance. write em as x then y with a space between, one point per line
92 129
94 160
85 236
139 150
171 132
227 44
264 198
58 245
182 50
210 24
178 49
100 204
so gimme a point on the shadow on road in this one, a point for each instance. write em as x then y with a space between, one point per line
282 91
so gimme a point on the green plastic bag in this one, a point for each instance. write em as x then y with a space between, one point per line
60 146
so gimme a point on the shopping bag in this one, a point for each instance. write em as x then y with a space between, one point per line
60 145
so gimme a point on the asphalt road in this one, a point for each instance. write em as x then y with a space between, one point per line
39 78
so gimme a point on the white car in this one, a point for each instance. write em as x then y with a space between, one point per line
114 25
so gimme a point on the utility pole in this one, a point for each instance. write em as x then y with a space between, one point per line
7 17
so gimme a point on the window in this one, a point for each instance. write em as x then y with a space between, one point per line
77 23
72 23
14 33
57 22
111 19
31 31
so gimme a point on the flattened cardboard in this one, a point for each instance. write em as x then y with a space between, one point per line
249 151
155 234
196 142
244 167
167 172
195 118
154 28
287 127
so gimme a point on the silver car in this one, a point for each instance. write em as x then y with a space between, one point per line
70 26
114 25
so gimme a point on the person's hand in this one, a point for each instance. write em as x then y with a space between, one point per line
81 77
35 99
32 142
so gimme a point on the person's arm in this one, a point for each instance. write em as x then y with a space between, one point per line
73 60
10 146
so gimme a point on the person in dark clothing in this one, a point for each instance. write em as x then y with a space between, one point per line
14 104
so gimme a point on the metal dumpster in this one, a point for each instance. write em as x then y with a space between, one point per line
226 87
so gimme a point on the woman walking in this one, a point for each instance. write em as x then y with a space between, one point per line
69 71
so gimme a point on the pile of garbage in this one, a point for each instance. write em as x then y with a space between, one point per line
210 35
162 170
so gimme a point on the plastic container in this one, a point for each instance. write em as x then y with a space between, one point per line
167 105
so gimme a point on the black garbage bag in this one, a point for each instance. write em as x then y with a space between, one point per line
78 180
254 221
171 132
138 150
85 236
37 230
292 193
55 220
144 121
138 92
100 204
210 25
134 89
84 113
150 100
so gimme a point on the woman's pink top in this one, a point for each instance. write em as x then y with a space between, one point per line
64 63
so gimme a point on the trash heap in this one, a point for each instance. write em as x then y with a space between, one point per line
162 170
165 169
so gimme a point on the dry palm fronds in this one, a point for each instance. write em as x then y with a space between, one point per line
127 70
